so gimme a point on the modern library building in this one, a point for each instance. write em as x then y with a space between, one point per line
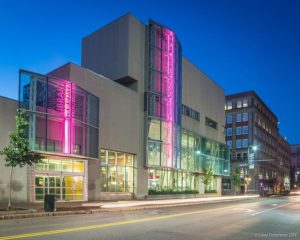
135 119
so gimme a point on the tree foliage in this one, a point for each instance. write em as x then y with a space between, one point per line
17 152
236 178
208 175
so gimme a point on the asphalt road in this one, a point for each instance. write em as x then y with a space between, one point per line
269 218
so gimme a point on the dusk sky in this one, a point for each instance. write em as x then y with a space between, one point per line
241 44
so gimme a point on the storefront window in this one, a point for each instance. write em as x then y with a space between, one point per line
118 171
171 181
53 176
43 165
54 165
78 166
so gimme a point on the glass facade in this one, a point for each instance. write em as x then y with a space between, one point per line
163 97
175 156
172 180
118 171
63 118
198 153
62 177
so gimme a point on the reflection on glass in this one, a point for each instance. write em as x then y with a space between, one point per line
62 112
119 174
78 166
67 166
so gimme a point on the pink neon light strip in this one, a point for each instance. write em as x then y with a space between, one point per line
69 109
168 67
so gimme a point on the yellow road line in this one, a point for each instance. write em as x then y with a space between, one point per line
67 230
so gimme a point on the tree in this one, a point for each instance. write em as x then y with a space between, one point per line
17 152
236 179
208 176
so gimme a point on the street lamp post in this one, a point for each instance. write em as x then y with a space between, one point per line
247 178
247 181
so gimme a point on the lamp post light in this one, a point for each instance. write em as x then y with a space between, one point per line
247 180
251 150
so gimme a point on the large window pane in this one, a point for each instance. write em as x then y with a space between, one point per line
78 147
24 89
67 188
92 110
79 96
78 166
120 159
129 160
103 179
57 137
54 165
92 142
43 165
129 177
112 158
115 177
111 177
154 153
154 84
62 102
154 129
154 105
67 166
120 179
156 58
78 188
41 94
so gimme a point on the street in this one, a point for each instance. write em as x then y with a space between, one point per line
267 218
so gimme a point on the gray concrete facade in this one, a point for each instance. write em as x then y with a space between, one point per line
8 112
114 68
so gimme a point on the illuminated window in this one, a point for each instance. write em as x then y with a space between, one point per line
229 132
229 105
118 171
78 166
239 104
211 123
238 131
229 119
239 117
64 178
63 117
245 129
190 112
245 117
245 103
238 143
245 142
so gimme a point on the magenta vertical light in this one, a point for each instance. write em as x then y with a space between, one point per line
168 69
68 123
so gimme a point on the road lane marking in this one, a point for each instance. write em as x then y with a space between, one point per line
68 230
250 210
270 209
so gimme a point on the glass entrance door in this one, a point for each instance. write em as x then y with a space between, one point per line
66 188
62 177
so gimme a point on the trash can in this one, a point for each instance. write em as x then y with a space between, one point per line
50 203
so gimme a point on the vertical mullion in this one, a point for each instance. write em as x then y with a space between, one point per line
46 115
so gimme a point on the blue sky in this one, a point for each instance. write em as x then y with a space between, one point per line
241 44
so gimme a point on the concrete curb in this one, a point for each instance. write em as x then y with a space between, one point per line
93 211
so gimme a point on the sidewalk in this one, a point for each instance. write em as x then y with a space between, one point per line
73 208
129 204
